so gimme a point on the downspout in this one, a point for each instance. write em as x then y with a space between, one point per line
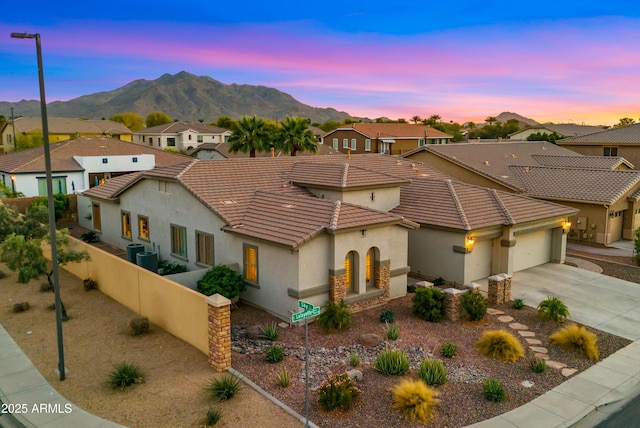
606 226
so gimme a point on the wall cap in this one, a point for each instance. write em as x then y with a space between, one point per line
217 301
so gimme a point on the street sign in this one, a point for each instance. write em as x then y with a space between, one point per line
308 311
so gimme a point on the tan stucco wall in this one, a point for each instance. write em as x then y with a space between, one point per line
630 153
384 199
431 254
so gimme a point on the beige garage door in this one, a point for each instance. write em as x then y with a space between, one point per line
478 265
532 249
615 226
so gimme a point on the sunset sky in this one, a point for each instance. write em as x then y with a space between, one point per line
560 61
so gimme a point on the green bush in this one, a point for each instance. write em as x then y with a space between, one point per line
392 362
415 399
223 280
274 354
500 345
139 326
438 281
45 287
90 237
212 417
577 338
21 307
224 387
2 274
449 349
169 268
354 359
89 284
283 378
124 375
552 308
61 204
537 365
386 316
518 303
475 304
429 304
269 332
432 372
392 331
494 391
335 317
338 391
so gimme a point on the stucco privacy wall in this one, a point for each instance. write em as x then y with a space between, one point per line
171 306
380 198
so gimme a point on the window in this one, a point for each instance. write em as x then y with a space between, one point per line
171 141
95 215
126 224
135 160
420 142
143 227
335 143
251 263
105 160
200 139
345 143
179 241
143 138
610 151
189 137
367 145
354 144
204 248
350 270
59 185
371 262
151 141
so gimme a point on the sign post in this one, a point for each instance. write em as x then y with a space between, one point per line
308 311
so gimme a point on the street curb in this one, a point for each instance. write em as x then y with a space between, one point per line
271 398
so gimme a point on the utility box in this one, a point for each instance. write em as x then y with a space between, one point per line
132 250
148 260
581 223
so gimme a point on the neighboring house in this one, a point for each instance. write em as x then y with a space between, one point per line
562 129
316 228
221 151
180 136
386 138
62 129
623 141
79 164
601 187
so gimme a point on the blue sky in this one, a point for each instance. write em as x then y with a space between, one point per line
552 61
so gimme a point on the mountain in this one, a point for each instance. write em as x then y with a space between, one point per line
182 96
524 121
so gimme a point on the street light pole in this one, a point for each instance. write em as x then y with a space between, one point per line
52 214
13 128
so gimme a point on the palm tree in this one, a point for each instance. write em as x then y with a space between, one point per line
491 119
294 135
251 135
416 119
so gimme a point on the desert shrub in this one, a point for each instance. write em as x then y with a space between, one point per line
223 280
338 391
90 237
392 331
124 375
269 332
21 307
392 362
51 307
411 288
475 304
212 417
224 387
438 281
283 378
354 359
537 365
335 317
518 303
500 345
169 268
494 391
139 326
2 274
432 372
274 354
386 316
45 287
415 399
89 284
448 349
552 308
429 304
578 339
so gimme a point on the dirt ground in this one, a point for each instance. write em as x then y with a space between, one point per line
96 338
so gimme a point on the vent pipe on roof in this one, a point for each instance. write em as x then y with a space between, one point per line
273 152
348 153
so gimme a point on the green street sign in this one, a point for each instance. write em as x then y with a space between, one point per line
308 311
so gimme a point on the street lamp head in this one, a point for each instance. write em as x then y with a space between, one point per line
23 36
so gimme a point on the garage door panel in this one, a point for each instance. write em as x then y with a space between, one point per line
532 249
479 261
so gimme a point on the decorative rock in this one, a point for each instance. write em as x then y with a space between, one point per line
533 341
526 333
283 325
556 364
566 372
527 384
505 318
542 356
492 311
355 374
254 332
518 326
370 340
539 349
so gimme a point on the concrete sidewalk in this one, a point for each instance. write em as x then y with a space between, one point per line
606 303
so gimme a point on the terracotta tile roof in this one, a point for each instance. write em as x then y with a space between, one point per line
396 130
178 127
113 187
339 175
294 220
223 149
579 161
623 135
456 205
61 125
577 184
62 155
564 129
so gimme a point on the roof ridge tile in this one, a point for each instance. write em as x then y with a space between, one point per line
502 206
456 201
345 175
333 225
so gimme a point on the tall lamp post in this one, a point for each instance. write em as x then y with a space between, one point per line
13 128
52 214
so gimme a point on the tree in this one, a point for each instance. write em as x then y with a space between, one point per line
543 136
294 135
157 118
625 121
133 121
491 120
22 249
7 192
250 136
225 122
29 140
416 119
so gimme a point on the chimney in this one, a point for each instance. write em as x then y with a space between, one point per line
348 153
273 152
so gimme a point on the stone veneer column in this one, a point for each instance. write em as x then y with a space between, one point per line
219 332
383 276
337 285
453 299
507 287
495 293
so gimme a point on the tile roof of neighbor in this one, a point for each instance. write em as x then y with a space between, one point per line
396 130
564 129
223 149
62 155
624 135
62 125
456 205
342 175
178 127
580 161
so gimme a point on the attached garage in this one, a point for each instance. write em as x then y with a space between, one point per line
532 249
616 220
478 263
